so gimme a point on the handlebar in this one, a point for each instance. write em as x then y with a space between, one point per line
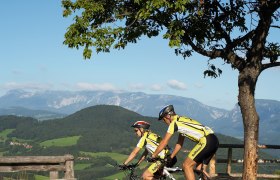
126 167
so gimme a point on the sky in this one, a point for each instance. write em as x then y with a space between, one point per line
34 58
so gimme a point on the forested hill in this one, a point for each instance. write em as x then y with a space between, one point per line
99 128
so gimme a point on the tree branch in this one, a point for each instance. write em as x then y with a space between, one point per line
274 4
274 26
269 65
242 39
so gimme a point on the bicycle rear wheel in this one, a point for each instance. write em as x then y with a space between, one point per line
132 177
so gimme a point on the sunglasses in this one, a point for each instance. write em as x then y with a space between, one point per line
136 130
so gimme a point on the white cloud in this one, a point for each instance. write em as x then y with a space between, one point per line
142 87
137 86
156 87
174 84
96 87
27 86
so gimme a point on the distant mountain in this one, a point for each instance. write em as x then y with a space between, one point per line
37 114
222 121
269 113
102 128
67 102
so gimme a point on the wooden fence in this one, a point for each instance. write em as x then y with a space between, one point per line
56 164
53 164
229 161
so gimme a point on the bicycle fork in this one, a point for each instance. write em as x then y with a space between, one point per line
168 174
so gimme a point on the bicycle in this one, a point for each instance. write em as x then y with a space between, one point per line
129 171
168 172
199 172
162 174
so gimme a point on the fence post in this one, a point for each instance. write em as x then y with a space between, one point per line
229 160
69 165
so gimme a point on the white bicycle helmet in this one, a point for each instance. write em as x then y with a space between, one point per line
141 124
166 110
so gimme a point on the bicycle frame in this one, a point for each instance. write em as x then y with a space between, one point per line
201 175
167 172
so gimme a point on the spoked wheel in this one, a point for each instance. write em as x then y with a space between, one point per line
225 177
133 177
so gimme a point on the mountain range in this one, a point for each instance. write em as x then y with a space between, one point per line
56 104
98 137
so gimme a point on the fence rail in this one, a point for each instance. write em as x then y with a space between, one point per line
53 164
229 161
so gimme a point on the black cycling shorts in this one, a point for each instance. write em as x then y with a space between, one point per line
205 149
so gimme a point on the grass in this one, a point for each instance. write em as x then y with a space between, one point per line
81 166
120 158
116 156
5 133
119 175
39 177
2 152
4 136
61 142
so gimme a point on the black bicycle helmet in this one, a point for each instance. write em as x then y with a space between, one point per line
141 124
166 110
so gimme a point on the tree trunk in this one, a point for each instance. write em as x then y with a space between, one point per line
247 82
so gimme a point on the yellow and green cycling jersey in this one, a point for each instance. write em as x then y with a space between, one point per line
151 141
189 128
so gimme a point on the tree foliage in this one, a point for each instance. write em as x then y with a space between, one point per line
215 29
235 31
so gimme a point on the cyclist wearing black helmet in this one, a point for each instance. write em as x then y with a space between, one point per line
150 141
203 151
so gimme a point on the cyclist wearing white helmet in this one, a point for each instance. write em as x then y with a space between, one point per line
203 151
150 141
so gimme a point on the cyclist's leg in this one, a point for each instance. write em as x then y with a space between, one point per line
149 173
194 158
210 150
188 166
202 167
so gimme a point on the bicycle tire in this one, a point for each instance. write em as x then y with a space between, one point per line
132 178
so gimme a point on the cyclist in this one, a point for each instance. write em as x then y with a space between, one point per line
202 152
150 141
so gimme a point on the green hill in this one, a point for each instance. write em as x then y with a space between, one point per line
98 137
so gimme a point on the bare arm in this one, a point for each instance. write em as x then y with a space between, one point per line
162 144
132 155
143 156
178 145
